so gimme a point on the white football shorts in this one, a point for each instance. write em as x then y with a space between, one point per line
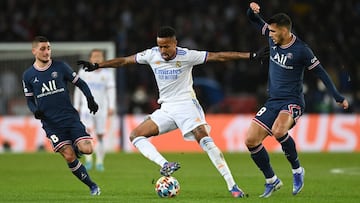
185 115
94 122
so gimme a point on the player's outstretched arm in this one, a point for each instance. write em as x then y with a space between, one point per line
320 72
112 63
227 56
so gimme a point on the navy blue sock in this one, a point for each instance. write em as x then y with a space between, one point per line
262 160
289 149
80 172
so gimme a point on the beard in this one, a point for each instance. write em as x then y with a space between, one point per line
44 61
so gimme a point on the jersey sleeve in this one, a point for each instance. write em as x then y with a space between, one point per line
29 93
258 22
197 57
69 73
27 87
143 57
309 58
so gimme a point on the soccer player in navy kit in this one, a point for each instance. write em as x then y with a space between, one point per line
289 57
45 88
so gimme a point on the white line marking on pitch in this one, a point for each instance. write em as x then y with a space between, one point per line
347 171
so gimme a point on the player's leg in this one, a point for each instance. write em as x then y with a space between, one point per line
100 126
88 157
88 161
282 124
138 138
88 120
100 152
259 129
78 169
83 142
217 158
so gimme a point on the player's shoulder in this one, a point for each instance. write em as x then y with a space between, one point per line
61 66
181 51
58 64
29 71
148 52
299 42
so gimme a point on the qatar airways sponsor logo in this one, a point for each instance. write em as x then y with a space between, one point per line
167 74
280 59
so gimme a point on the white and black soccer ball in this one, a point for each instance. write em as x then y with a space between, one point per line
167 186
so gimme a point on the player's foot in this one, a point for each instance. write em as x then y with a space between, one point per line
271 187
95 190
100 167
88 165
169 168
237 192
298 183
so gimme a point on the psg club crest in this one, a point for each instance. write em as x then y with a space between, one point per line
54 74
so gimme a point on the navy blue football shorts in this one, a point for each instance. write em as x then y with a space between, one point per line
267 114
69 135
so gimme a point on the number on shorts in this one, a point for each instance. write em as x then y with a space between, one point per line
261 111
54 138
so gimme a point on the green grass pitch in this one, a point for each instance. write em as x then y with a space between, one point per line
44 177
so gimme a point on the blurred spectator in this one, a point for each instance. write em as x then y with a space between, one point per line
9 82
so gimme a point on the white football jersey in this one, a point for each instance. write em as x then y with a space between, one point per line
173 77
102 85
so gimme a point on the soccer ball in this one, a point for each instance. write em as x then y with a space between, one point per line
167 186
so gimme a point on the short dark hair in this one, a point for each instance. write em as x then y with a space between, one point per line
281 19
38 39
166 31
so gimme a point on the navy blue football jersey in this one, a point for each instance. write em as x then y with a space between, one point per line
49 88
286 65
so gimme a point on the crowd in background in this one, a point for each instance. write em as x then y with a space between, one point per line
329 27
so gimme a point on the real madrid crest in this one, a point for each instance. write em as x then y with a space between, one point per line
178 64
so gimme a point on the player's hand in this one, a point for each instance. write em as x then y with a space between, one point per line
344 104
39 114
260 54
255 7
92 105
87 66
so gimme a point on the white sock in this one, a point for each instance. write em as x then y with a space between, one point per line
271 180
100 152
217 158
149 150
88 158
298 170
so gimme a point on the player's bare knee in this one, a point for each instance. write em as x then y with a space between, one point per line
277 133
85 147
133 135
198 137
251 142
67 153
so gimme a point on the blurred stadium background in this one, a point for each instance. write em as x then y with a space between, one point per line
228 91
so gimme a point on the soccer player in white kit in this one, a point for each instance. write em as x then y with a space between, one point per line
102 85
172 67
